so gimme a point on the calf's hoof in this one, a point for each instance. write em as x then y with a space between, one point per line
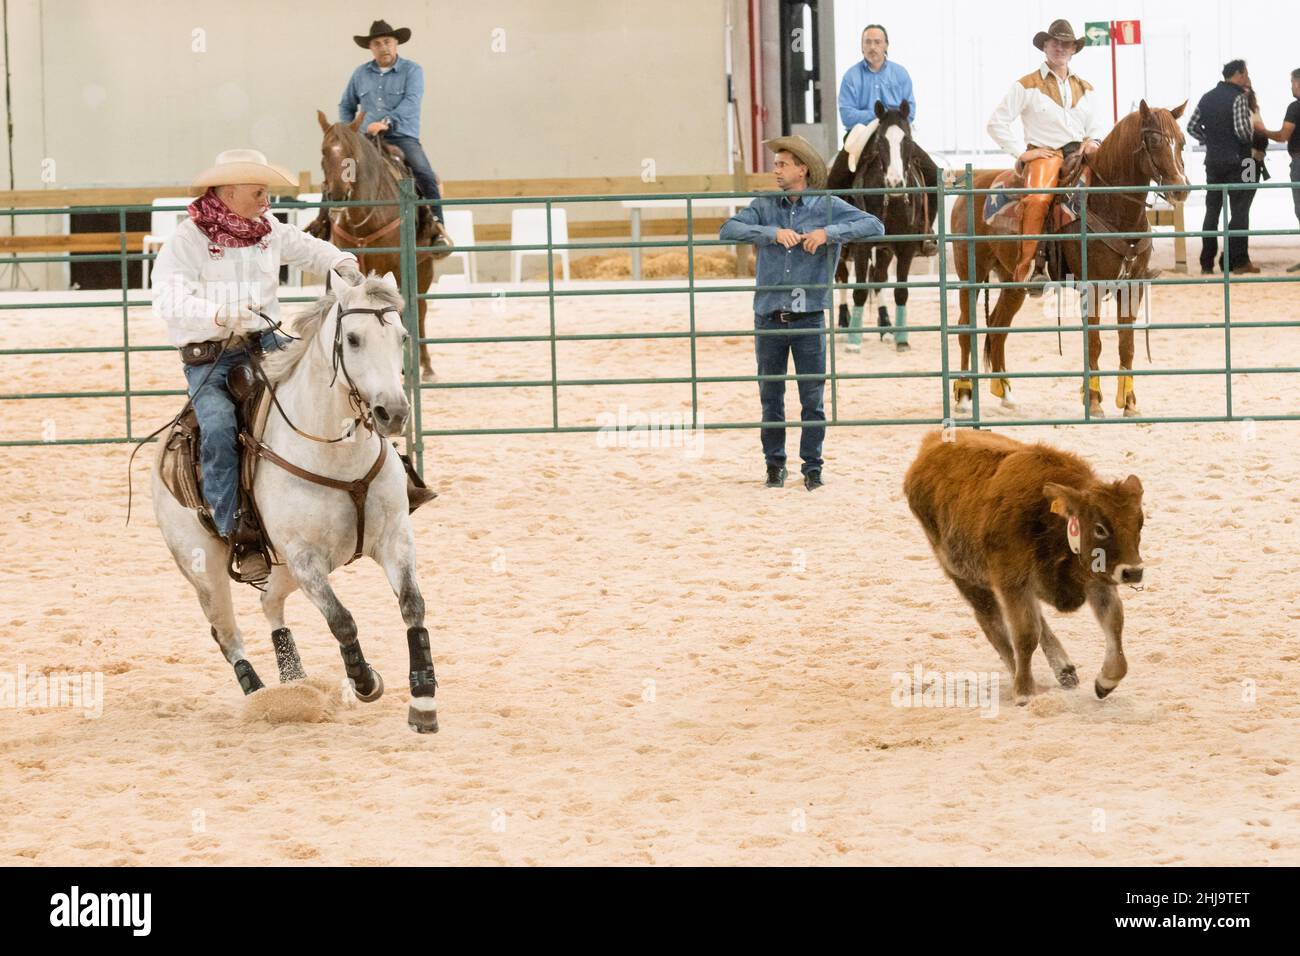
1102 692
1068 677
422 715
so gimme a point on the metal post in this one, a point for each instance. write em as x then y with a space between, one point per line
406 211
1085 303
550 301
690 283
126 334
943 302
1227 315
973 296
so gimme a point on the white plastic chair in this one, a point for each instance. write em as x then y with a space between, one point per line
460 226
528 227
161 227
298 218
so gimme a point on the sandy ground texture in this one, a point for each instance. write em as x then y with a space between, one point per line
644 655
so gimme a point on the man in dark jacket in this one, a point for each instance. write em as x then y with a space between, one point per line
1221 123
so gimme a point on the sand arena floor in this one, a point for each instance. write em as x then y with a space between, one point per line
647 657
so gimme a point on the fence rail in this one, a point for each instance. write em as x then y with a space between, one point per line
945 374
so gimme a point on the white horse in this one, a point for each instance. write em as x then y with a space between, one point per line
347 365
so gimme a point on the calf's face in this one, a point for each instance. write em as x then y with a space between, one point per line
1106 518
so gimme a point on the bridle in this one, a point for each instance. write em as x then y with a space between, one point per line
349 233
1150 169
875 161
358 489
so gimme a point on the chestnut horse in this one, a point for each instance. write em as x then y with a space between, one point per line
354 169
1144 147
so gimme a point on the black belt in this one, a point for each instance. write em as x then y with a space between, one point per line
789 317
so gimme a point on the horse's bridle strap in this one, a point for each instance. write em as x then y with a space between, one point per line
357 490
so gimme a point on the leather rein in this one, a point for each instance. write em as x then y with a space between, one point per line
359 488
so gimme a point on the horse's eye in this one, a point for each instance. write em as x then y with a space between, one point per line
353 340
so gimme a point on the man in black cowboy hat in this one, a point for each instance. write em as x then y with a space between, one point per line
388 89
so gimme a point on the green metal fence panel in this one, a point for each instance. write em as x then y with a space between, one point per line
946 375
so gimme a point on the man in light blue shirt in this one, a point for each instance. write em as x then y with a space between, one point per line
388 89
798 241
876 79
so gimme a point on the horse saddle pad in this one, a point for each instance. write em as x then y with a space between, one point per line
1002 210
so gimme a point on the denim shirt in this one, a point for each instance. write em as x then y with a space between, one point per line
862 87
811 275
394 96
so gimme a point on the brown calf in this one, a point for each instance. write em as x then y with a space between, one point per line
1014 524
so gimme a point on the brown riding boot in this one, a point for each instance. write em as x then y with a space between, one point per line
1028 266
417 492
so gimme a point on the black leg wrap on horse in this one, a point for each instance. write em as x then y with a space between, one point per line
248 679
423 681
286 655
360 673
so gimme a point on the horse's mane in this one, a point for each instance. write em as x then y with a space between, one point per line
280 364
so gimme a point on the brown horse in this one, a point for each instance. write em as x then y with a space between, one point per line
1144 147
355 169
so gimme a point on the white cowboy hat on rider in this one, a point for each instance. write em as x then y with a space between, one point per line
237 167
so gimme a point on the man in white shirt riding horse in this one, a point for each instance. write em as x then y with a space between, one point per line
1058 115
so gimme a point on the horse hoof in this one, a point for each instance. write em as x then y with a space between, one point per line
1102 692
1131 411
422 715
1097 410
962 407
902 347
376 692
1068 677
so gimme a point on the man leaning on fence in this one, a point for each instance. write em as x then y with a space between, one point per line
798 242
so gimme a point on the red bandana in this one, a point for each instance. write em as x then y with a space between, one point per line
225 228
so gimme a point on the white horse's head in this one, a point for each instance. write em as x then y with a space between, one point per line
365 337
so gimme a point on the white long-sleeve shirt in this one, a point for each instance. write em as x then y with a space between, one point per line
1051 111
193 279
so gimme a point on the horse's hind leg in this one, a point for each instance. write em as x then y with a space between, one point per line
278 587
397 557
312 575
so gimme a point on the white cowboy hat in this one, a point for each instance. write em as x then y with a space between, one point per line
237 166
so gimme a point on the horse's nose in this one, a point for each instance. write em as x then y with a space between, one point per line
391 417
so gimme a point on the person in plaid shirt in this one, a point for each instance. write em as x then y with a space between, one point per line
1221 123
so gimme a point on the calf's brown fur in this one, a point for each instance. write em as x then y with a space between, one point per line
996 513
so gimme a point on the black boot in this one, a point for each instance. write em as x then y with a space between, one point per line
776 476
813 479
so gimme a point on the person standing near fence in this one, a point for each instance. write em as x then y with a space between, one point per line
1289 133
1221 123
798 242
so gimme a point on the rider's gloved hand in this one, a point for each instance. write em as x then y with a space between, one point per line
349 271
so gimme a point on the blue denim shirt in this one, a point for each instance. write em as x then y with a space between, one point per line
811 275
862 87
394 96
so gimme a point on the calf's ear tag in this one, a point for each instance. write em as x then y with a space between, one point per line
1072 533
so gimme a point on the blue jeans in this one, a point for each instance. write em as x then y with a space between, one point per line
1295 178
425 181
219 433
772 352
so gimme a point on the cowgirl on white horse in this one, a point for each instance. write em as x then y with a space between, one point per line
219 269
